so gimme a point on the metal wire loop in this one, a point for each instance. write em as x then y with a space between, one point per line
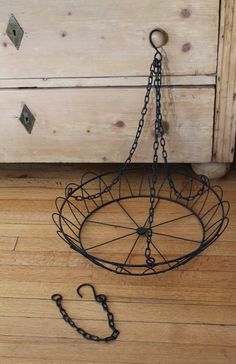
164 34
56 297
87 285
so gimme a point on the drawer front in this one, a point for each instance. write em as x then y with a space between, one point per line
67 38
99 124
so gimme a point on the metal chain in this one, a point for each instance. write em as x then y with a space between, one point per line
159 140
143 114
135 142
159 132
154 79
102 299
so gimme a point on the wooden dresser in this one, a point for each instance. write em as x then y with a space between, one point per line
74 71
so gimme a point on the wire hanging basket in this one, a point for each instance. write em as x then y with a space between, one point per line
145 220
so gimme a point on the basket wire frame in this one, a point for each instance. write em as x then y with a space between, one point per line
121 250
133 221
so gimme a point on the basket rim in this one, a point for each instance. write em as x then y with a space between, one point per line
179 260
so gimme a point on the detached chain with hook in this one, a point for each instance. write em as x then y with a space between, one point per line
100 298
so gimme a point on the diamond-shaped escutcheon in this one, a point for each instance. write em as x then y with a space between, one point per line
14 31
27 119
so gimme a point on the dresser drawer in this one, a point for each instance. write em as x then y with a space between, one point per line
97 125
107 38
82 66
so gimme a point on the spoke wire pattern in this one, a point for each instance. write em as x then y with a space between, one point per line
209 211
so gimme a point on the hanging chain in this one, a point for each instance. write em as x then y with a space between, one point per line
142 119
155 70
102 299
159 133
135 142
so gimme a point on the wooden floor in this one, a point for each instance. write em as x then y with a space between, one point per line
186 316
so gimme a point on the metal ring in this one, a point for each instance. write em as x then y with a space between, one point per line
55 297
159 30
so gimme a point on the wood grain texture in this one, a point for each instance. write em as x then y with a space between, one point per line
184 316
128 352
137 81
97 125
88 310
7 243
87 38
154 332
225 115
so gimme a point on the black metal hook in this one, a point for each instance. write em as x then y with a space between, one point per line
165 37
98 297
88 285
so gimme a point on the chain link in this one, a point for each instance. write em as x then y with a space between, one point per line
158 140
102 299
135 142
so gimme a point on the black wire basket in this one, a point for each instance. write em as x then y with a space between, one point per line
146 220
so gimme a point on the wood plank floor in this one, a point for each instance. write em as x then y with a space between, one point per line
186 316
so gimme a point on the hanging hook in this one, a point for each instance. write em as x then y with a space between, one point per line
163 38
88 285
100 298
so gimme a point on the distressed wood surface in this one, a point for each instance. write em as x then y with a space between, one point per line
180 80
184 316
68 350
106 38
70 54
225 115
96 125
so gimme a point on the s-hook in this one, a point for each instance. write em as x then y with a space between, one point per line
161 34
100 298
